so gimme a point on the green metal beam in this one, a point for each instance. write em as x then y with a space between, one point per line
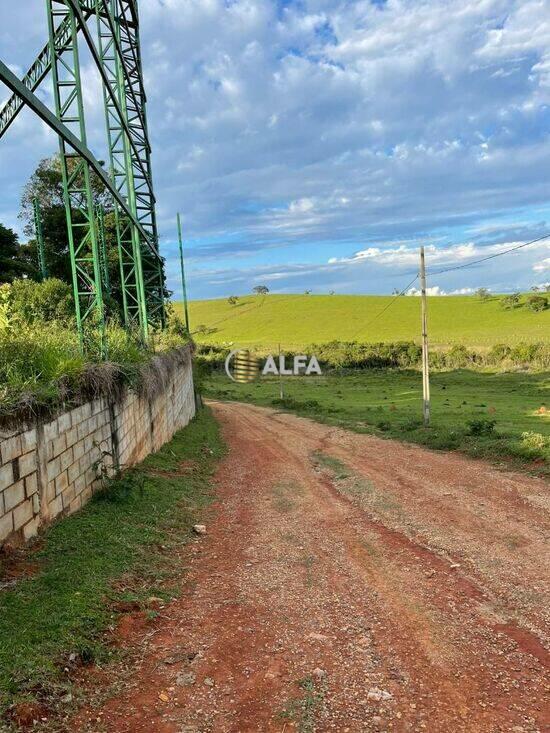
185 308
102 241
76 176
10 80
42 266
41 68
128 235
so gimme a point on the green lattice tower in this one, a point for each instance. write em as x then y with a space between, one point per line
42 266
136 103
76 176
121 170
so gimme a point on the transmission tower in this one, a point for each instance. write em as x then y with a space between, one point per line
110 31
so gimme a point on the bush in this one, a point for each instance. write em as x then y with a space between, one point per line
509 302
535 441
480 427
29 302
537 303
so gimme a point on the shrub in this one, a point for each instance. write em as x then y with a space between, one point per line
535 441
509 302
537 303
480 427
29 301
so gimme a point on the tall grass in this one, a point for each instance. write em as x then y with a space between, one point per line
41 361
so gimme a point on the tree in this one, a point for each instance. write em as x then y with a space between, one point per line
260 290
483 293
12 264
46 185
537 303
510 301
307 292
331 292
233 299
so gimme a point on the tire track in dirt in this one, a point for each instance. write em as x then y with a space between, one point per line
298 580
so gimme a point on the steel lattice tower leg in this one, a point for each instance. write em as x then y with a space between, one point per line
77 191
39 239
135 101
128 237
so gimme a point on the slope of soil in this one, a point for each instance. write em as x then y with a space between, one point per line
348 584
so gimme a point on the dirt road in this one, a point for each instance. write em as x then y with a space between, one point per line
350 584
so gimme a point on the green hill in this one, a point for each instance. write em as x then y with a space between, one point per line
295 320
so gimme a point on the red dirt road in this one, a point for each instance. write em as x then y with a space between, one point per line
397 590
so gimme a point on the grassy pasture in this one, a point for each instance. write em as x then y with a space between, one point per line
389 403
295 320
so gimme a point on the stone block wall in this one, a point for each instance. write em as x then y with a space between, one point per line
53 467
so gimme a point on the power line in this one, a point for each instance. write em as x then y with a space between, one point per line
489 257
388 305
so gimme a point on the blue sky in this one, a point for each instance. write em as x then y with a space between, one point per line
316 144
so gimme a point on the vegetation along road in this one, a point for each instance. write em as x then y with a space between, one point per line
347 583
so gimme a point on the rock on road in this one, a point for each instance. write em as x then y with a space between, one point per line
349 583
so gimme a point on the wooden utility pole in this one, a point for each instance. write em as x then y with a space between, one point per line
425 360
281 390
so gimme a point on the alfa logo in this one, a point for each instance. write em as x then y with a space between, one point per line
243 366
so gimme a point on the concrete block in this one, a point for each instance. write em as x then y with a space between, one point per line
57 446
11 448
28 440
22 514
78 450
49 493
74 471
54 468
6 475
31 528
66 458
6 525
64 422
75 504
27 464
31 485
14 495
71 437
61 483
55 507
50 431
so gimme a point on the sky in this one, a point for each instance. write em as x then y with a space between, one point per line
316 144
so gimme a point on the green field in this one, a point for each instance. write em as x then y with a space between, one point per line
295 320
389 403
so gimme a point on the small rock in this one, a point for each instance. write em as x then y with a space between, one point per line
185 678
376 694
454 565
199 528
209 681
163 696
319 673
317 637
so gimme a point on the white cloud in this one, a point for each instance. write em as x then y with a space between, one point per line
542 266
331 120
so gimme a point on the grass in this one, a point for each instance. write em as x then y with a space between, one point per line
297 320
304 711
122 546
389 403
